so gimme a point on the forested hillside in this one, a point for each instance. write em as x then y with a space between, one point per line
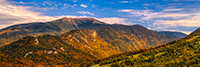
7 61
183 52
73 47
133 37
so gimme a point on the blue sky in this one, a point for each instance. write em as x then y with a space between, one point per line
171 15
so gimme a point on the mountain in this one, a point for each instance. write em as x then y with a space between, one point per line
183 52
71 41
124 37
174 34
57 27
196 31
72 47
131 37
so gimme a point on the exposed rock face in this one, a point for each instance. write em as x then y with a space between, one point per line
83 37
62 49
36 41
28 53
88 46
50 52
44 51
55 52
94 34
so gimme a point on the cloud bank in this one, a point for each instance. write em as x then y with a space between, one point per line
13 14
180 16
113 20
167 18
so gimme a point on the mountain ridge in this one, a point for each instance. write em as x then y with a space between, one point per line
172 33
72 47
131 33
196 31
136 36
182 52
15 32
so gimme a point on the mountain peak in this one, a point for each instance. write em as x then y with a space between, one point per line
79 20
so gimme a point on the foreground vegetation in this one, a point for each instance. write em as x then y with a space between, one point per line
7 61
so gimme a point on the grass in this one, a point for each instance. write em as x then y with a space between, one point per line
106 65
193 38
160 54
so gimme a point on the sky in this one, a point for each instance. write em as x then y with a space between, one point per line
160 15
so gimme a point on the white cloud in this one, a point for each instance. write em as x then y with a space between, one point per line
125 1
113 20
73 0
86 13
165 19
179 9
12 14
84 6
68 6
186 32
46 5
138 12
190 22
126 10
162 17
145 4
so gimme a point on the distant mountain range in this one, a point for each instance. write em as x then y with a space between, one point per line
174 34
183 52
75 40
